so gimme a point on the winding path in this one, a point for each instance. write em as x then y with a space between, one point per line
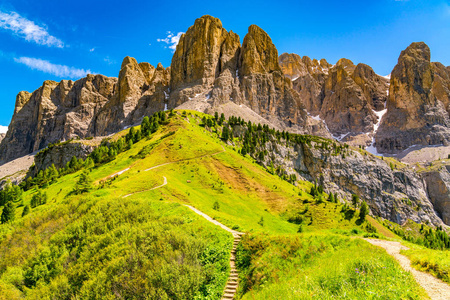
156 187
233 279
435 288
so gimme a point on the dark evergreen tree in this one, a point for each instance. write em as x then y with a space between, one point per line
26 210
363 211
355 200
84 183
8 213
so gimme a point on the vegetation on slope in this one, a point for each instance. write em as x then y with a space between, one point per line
121 237
320 266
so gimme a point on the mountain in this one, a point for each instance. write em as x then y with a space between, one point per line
210 72
418 104
346 97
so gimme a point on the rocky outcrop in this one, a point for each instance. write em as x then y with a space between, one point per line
396 195
92 106
438 186
210 70
141 90
55 111
345 96
418 104
2 136
60 155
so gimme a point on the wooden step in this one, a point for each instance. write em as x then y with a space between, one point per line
229 295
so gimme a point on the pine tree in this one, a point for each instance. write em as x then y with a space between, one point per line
26 211
225 133
355 200
145 125
363 211
331 198
89 163
84 183
8 213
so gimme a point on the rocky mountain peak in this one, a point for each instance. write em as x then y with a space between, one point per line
21 99
418 104
259 55
416 51
292 65
196 58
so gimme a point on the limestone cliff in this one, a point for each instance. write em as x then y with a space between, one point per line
418 104
396 195
345 96
211 72
92 106
438 186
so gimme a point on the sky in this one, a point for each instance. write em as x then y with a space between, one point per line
56 40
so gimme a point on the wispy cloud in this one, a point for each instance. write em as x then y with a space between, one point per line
48 67
109 61
28 30
92 49
3 129
171 39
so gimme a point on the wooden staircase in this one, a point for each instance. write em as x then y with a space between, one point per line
233 279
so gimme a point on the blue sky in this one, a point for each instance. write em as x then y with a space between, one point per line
54 39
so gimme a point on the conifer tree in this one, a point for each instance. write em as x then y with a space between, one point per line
84 183
8 213
355 200
26 210
363 211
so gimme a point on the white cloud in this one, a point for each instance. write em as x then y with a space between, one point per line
171 39
48 67
3 129
109 61
28 30
92 49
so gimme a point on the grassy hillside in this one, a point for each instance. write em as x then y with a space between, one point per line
129 237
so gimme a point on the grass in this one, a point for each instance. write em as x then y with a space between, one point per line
435 262
320 266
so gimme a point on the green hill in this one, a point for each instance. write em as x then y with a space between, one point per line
130 237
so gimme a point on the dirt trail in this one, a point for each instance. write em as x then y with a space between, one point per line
435 288
233 279
156 187
180 160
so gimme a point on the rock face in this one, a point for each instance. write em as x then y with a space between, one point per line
60 155
2 136
438 186
211 71
345 96
92 106
396 195
418 104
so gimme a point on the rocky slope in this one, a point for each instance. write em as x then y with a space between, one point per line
438 187
345 96
59 155
418 104
396 195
